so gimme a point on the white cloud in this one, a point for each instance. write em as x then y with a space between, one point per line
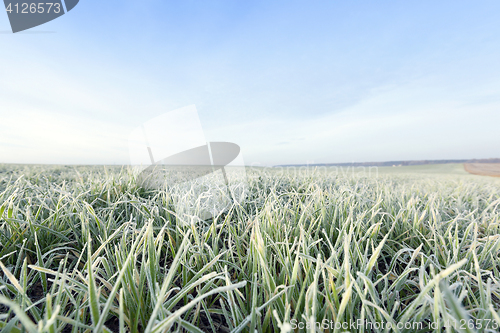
420 120
38 136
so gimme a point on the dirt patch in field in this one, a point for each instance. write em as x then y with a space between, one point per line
483 169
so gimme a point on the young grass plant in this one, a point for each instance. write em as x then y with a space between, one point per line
85 249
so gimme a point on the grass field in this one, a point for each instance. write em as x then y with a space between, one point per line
409 249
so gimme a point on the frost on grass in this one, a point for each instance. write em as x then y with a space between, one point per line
88 249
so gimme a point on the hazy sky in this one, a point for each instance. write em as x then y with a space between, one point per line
289 81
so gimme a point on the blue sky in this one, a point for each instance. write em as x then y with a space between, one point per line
289 81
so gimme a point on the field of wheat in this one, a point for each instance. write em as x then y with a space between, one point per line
86 249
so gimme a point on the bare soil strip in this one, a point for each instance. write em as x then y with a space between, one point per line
483 169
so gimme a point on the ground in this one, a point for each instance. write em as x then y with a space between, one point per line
483 169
